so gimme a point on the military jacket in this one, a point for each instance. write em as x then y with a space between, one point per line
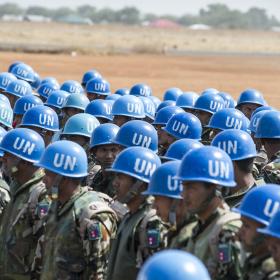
103 184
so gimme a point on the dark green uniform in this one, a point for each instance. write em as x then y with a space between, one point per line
18 238
103 184
271 171
4 196
139 235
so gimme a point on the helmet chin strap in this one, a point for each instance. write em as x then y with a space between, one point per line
204 204
172 214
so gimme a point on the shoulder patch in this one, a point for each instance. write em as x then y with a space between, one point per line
94 231
153 238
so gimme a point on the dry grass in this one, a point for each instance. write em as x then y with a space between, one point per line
112 39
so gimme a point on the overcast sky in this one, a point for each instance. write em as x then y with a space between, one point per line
176 7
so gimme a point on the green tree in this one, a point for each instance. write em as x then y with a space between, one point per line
10 9
128 15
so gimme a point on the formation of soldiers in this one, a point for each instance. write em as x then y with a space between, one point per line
122 186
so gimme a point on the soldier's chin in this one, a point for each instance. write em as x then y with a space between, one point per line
107 165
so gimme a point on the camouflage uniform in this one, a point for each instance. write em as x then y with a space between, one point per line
18 237
161 151
139 235
77 237
271 171
205 137
215 243
93 169
103 184
4 196
260 268
259 162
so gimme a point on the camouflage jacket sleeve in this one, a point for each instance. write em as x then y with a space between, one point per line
228 254
272 171
96 244
4 199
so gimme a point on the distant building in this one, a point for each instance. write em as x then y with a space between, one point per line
36 18
74 19
11 18
199 27
164 23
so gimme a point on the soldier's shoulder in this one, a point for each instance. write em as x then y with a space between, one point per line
269 269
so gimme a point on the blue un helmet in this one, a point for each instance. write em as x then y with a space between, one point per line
273 228
184 125
91 74
80 124
178 149
100 108
210 103
57 99
172 94
122 91
187 100
13 65
112 97
24 103
19 88
130 106
155 100
42 117
4 99
50 80
173 265
210 90
207 164
260 203
236 143
37 81
263 108
229 118
5 79
164 183
251 96
141 90
165 114
24 72
137 162
3 132
24 143
137 133
76 100
65 158
46 89
255 119
6 115
98 86
149 107
229 101
104 135
269 125
72 86
165 103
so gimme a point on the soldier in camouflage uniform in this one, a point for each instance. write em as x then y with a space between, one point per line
256 209
141 232
104 151
80 224
268 131
213 239
22 147
240 147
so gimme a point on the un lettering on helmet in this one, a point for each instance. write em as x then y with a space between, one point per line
46 119
144 91
217 168
134 108
47 91
233 123
65 161
174 184
20 89
144 167
28 106
21 144
179 127
230 147
216 106
6 115
271 207
141 140
22 72
60 100
100 87
90 126
5 82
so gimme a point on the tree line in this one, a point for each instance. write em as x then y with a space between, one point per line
215 15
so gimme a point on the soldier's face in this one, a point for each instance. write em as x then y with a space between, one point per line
274 249
204 117
162 205
248 234
79 139
106 154
10 162
17 120
92 96
164 138
120 120
248 109
122 184
196 196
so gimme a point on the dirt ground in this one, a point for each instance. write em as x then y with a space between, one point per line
230 73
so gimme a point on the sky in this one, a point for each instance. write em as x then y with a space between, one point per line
160 7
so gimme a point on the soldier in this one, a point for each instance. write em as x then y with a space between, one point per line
162 117
186 101
127 108
43 120
205 106
56 100
141 232
80 224
104 152
142 90
97 88
256 209
150 109
240 147
229 101
272 238
89 75
5 79
167 192
46 88
22 148
213 240
72 86
173 265
268 130
249 100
